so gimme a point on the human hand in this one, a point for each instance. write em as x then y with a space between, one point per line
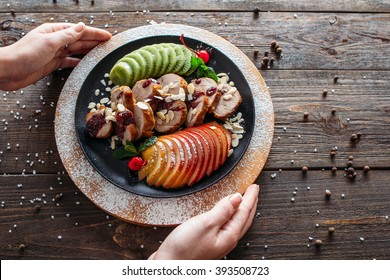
212 235
45 49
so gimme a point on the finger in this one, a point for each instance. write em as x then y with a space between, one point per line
75 47
239 220
224 209
69 62
67 36
249 220
95 34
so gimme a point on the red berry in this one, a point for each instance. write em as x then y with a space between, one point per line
135 163
204 55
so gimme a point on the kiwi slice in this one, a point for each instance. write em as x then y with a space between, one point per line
165 59
187 61
133 64
157 59
172 59
121 74
141 62
180 58
149 62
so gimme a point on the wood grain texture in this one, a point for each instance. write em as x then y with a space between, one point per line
285 227
312 41
218 5
320 39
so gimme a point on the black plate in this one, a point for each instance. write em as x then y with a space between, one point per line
98 151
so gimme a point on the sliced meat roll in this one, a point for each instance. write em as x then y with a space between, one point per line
171 83
228 103
97 124
197 110
125 127
144 119
148 90
122 95
210 88
170 116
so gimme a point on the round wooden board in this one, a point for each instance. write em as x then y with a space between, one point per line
161 211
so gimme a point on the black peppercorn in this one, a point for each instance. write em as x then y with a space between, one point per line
349 163
331 230
335 79
305 169
333 112
22 246
256 11
318 243
366 168
256 53
279 50
271 61
333 154
354 137
334 169
305 115
351 170
37 208
265 60
273 44
266 53
328 193
324 92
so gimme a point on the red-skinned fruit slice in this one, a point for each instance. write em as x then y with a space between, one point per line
213 148
199 169
218 146
180 161
190 156
222 136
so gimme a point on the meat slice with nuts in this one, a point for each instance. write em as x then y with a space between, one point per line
171 83
228 103
210 88
125 127
170 116
197 109
144 119
148 90
98 124
122 95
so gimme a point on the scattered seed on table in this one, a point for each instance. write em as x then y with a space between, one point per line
324 92
318 243
305 115
334 169
305 169
328 193
292 199
331 230
335 79
366 168
354 137
342 195
362 239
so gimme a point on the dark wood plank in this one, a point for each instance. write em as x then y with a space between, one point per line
360 99
247 5
285 227
311 41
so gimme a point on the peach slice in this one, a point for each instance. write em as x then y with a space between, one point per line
150 157
218 145
170 164
153 176
216 128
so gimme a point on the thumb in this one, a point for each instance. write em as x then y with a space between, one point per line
68 35
224 209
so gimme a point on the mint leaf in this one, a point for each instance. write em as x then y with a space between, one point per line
121 153
147 143
210 73
129 147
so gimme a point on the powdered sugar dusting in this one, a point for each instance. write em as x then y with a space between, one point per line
161 211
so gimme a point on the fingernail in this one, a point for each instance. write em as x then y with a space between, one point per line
255 186
235 200
79 27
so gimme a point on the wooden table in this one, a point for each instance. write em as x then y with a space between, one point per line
44 216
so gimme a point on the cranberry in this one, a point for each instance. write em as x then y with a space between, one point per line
146 83
198 81
123 119
211 91
135 163
95 123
